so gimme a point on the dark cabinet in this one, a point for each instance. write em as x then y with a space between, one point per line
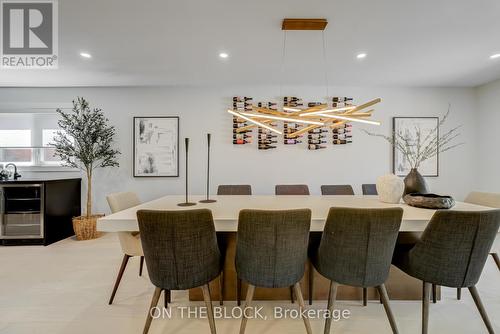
38 212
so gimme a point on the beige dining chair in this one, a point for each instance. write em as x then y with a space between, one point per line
130 242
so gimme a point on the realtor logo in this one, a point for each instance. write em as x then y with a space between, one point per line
29 34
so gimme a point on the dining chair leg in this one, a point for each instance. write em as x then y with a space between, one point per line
167 298
119 277
434 291
291 294
332 295
365 296
154 302
311 282
221 288
302 306
248 301
238 291
210 310
496 258
385 300
482 310
141 264
425 307
459 293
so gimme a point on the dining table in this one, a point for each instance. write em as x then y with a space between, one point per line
225 211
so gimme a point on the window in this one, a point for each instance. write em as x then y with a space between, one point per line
16 146
26 138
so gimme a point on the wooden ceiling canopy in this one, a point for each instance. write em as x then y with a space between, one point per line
304 24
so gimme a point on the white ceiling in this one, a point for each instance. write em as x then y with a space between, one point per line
177 42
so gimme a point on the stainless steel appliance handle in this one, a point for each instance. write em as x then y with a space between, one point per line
2 211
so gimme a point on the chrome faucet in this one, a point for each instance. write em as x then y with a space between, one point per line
16 174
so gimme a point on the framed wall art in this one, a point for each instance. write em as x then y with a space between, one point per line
418 130
156 146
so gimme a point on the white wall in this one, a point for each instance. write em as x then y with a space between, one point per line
488 166
202 110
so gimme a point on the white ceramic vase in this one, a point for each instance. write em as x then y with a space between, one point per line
390 188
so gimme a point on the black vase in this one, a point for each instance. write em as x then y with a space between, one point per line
415 183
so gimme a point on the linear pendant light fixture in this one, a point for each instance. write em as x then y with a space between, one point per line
314 117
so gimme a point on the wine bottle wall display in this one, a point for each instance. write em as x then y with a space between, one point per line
242 134
291 103
336 132
342 134
267 140
316 138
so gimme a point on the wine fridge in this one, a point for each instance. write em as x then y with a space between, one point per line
21 211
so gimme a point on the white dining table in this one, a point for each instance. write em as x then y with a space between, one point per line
225 211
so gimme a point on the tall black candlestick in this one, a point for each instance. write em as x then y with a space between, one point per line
186 203
208 200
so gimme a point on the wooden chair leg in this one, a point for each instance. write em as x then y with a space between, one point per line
496 258
425 307
482 310
221 288
154 302
385 300
119 277
141 265
248 301
365 296
302 306
332 295
291 294
238 291
311 282
210 310
459 293
434 292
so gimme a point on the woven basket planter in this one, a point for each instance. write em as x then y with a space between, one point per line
85 227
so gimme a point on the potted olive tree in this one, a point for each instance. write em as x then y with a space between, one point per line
85 142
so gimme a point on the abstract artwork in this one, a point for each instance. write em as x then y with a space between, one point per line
156 146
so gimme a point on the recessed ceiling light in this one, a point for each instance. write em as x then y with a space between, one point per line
223 55
495 56
361 55
85 55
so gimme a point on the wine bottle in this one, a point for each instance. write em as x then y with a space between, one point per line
265 141
266 147
241 141
317 142
341 99
241 99
316 136
317 131
315 147
241 136
291 141
239 125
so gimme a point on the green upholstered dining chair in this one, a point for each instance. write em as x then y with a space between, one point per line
234 189
451 252
369 189
181 252
271 251
356 249
337 189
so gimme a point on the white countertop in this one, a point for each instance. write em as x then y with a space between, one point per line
225 211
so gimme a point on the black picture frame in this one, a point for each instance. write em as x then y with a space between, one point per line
394 153
134 152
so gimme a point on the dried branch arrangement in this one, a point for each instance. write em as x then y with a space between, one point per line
421 147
